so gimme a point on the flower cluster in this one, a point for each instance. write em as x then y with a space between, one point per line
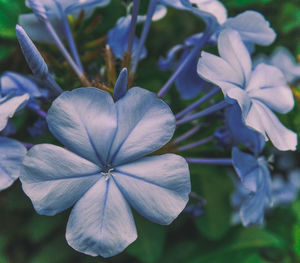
117 150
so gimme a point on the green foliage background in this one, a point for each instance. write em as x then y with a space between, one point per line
26 237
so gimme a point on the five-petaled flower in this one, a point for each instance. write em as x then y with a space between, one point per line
257 91
104 168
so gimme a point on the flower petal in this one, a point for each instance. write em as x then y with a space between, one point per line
12 154
218 71
157 187
188 82
145 123
121 85
285 61
232 49
84 120
101 222
13 82
55 178
74 7
246 167
262 119
36 30
268 85
9 105
252 27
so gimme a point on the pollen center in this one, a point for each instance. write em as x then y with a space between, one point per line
108 173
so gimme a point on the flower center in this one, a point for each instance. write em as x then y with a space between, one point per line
107 173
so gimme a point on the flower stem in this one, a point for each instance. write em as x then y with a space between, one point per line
213 161
150 12
188 134
207 111
134 15
163 91
66 54
195 144
69 37
197 103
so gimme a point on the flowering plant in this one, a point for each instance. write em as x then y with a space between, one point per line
131 134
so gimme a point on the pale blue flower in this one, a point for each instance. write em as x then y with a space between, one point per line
211 11
12 154
9 105
118 37
253 90
104 168
252 27
255 187
37 31
11 82
285 61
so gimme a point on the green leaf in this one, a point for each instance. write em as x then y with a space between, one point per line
9 13
40 227
289 18
150 242
254 258
215 186
55 251
243 242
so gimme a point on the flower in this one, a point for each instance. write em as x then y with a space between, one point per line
36 30
12 154
253 90
9 105
211 11
254 194
104 168
12 82
284 60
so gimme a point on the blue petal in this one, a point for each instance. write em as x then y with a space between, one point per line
170 61
101 222
74 7
37 31
188 82
55 178
286 62
157 187
117 39
232 49
12 154
9 105
174 3
252 27
218 71
246 167
241 133
121 85
252 210
13 82
145 124
262 119
265 82
84 120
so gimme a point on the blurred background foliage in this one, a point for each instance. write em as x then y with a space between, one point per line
26 237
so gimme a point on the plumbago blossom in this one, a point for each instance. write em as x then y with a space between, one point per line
105 168
12 152
282 59
251 89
